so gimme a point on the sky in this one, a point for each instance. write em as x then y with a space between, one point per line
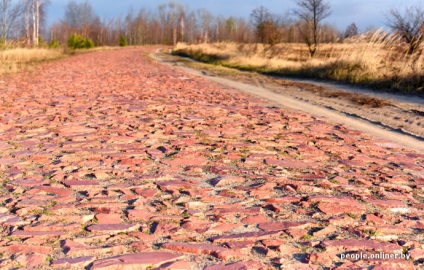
363 13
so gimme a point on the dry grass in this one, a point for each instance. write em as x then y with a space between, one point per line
379 60
15 60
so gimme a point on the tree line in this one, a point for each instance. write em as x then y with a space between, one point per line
172 22
22 20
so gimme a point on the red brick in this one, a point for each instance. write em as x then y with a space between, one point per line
136 261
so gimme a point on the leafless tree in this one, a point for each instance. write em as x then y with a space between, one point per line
33 18
9 12
206 19
351 31
409 24
268 25
79 16
172 17
259 18
312 13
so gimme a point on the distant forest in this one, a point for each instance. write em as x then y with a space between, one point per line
24 22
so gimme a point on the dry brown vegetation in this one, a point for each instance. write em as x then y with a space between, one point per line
14 60
378 60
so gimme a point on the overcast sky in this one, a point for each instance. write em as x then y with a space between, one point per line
362 12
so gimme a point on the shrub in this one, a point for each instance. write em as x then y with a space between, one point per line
123 41
41 42
79 42
54 44
89 43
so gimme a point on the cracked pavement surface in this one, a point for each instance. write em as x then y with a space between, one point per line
109 160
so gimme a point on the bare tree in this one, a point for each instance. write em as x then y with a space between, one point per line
33 19
172 16
409 25
9 12
259 18
312 13
79 16
351 31
205 18
268 25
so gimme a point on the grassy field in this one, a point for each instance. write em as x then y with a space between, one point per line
17 59
379 61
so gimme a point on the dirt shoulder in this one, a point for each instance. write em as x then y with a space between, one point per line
393 117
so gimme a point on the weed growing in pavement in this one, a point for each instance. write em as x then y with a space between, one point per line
307 237
49 259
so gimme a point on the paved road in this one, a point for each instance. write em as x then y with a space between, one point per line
110 161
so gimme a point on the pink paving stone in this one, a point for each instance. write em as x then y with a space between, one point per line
165 228
4 146
238 266
31 261
392 205
80 219
104 207
187 162
371 219
232 209
280 226
416 253
146 192
136 261
227 180
358 245
174 186
206 249
248 236
417 224
112 228
101 175
141 215
45 234
286 200
337 209
327 230
197 226
54 226
343 221
82 184
297 233
8 161
255 219
179 265
324 258
26 249
73 248
240 245
58 191
142 236
386 229
290 164
108 218
79 262
29 182
11 220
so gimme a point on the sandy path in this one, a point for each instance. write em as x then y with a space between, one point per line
110 160
369 122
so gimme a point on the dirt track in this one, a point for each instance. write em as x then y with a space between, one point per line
110 160
397 118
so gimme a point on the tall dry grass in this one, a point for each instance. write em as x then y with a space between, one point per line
379 60
16 59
